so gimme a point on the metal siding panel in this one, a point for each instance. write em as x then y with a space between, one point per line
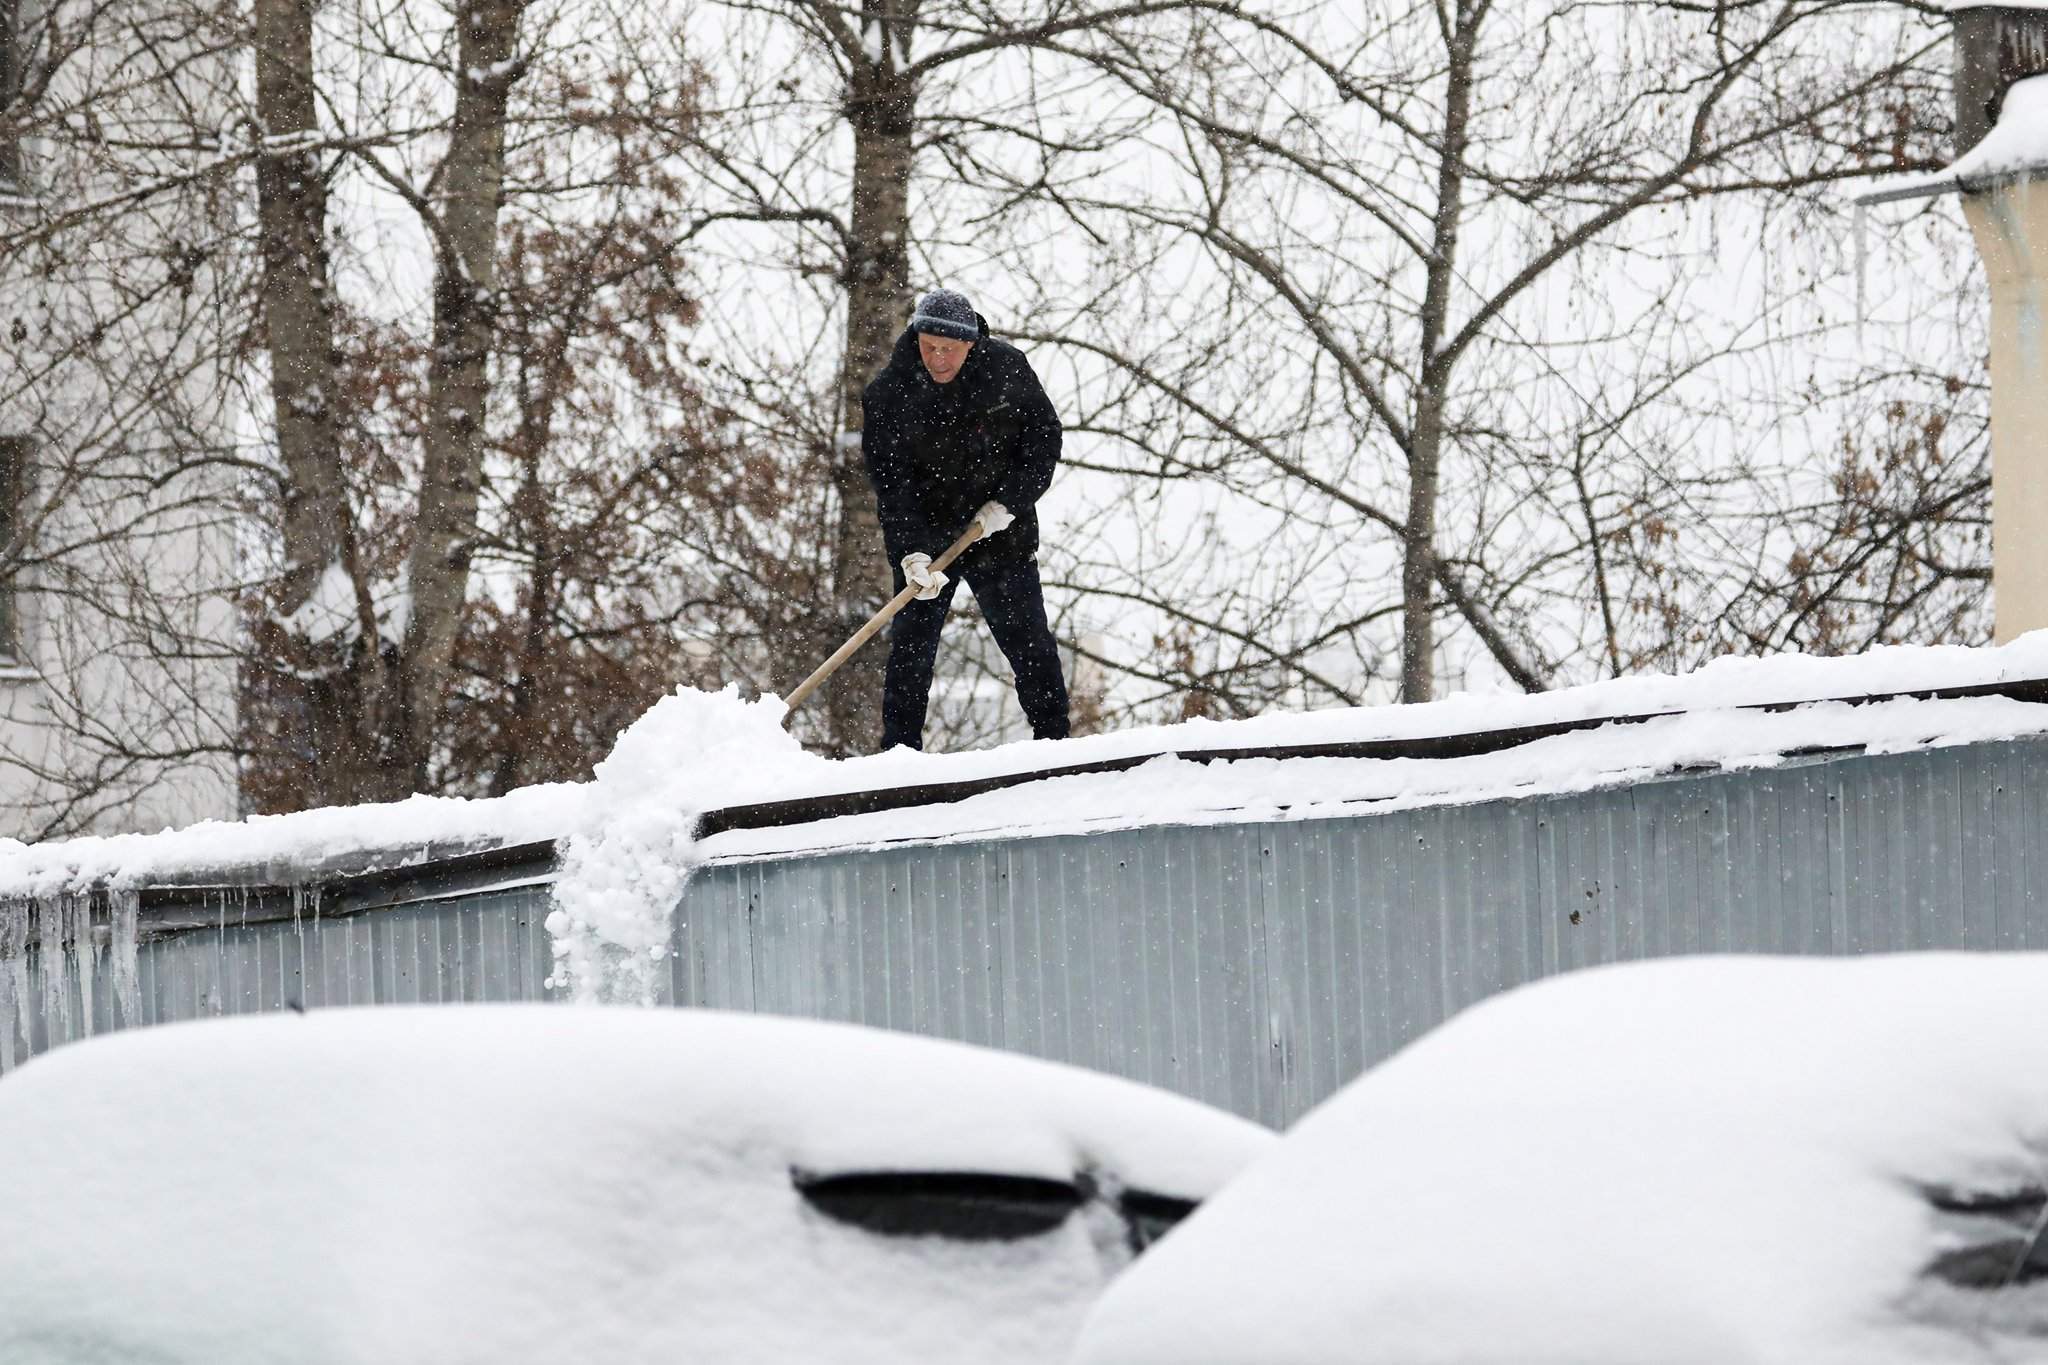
312 983
781 908
1799 885
1559 950
1288 914
1893 806
362 961
1716 899
498 975
1862 905
1031 1019
1268 1057
1371 894
910 958
464 933
1946 889
2006 785
1411 928
709 897
834 932
1680 868
1977 840
1084 982
1219 960
1123 905
899 967
981 937
730 982
1086 886
1336 1048
838 949
1753 863
1163 911
2032 832
1237 953
1748 921
947 1008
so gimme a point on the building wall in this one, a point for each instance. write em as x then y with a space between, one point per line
1258 966
117 318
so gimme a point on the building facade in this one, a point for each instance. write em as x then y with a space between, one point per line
117 463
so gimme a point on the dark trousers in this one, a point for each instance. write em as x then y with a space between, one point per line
1013 603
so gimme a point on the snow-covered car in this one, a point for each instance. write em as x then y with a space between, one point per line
538 1183
1735 1161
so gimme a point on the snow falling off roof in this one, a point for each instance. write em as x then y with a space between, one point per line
764 773
1703 1160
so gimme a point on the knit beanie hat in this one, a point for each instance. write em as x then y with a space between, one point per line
948 314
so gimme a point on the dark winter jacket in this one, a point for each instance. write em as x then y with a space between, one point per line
936 452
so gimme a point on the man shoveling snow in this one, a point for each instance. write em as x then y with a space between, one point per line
957 430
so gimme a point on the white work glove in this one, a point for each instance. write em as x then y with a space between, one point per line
919 573
993 517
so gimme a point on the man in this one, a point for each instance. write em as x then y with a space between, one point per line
957 429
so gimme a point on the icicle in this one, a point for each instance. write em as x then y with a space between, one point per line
84 954
124 927
50 917
1861 229
13 978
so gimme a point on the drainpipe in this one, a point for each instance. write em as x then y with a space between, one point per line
1995 47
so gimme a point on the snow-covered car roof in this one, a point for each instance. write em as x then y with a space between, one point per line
1708 1159
532 1183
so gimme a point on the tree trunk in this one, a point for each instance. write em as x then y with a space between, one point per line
882 106
1425 456
348 686
465 274
298 309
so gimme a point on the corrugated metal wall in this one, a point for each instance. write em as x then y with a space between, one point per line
1258 967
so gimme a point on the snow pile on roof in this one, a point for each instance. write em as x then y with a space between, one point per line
1708 1159
1169 790
623 870
526 1184
742 777
2018 141
2016 145
285 846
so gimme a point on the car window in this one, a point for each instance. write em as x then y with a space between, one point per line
1151 1216
1995 1239
971 1206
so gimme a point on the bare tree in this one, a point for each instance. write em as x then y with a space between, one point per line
1458 319
273 322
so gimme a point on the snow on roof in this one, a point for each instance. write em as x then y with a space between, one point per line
697 752
2017 145
1170 790
530 1183
1700 1160
2018 141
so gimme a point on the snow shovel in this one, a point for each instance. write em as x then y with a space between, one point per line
875 623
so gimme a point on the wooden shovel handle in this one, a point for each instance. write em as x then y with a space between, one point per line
876 622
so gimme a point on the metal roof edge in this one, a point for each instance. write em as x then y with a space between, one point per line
802 810
345 887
